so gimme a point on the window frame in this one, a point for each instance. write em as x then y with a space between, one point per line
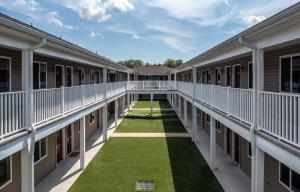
233 85
43 63
94 119
230 68
290 56
72 75
40 147
289 188
92 73
82 82
9 59
11 173
218 130
218 69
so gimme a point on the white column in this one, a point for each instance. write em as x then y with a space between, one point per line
179 108
194 133
82 143
185 113
151 103
104 122
259 169
212 143
123 105
27 169
116 112
128 102
194 115
64 143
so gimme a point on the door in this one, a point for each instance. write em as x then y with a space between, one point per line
228 141
237 148
237 76
59 147
59 76
69 139
69 76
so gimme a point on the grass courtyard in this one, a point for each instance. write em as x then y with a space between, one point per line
173 164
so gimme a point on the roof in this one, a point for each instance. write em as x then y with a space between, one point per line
250 32
153 70
29 29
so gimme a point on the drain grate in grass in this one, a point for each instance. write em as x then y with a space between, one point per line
145 186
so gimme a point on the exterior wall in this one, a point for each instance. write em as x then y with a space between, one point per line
245 163
272 175
43 167
15 185
91 128
16 67
52 62
220 137
272 66
76 135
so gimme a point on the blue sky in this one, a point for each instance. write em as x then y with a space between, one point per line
150 30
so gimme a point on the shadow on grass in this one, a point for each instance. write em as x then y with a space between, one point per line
190 171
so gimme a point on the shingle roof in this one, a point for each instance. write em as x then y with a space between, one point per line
153 70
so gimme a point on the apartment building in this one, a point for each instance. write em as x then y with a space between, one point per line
243 95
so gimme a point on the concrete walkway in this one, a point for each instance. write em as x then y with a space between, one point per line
67 171
154 109
150 135
228 173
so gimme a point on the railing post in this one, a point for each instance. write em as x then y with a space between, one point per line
82 95
62 100
228 101
143 87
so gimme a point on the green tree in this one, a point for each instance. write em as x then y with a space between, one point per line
172 63
132 63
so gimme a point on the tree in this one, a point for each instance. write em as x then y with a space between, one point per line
132 63
172 63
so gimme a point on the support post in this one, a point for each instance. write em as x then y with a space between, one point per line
128 102
27 169
194 115
104 109
185 113
116 112
151 103
82 143
179 108
260 167
212 143
123 106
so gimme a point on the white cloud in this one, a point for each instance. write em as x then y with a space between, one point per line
176 44
253 19
96 34
132 33
53 17
169 30
96 9
31 5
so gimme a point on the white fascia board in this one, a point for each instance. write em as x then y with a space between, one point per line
12 147
14 42
289 159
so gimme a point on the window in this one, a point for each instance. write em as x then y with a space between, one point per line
204 77
69 76
40 150
92 76
39 75
289 178
250 75
81 76
92 118
207 118
290 74
6 172
218 127
208 77
4 74
228 75
218 76
249 151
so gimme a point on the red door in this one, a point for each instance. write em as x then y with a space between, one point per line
228 141
237 148
69 139
59 147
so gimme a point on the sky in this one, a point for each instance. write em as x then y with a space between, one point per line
150 30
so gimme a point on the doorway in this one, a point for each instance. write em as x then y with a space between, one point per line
237 76
228 141
69 139
237 148
59 146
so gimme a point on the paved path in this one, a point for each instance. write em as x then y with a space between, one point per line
154 109
150 135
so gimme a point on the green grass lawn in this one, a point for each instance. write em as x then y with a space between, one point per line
173 164
157 104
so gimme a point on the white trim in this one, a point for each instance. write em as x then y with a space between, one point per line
11 176
218 68
82 82
9 59
91 123
219 130
46 155
290 177
63 74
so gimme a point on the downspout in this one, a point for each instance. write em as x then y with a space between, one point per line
30 101
253 128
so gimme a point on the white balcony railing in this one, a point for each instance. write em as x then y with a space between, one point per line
280 116
151 85
12 113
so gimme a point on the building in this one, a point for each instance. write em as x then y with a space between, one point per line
243 95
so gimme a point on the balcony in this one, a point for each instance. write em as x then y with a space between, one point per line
279 113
